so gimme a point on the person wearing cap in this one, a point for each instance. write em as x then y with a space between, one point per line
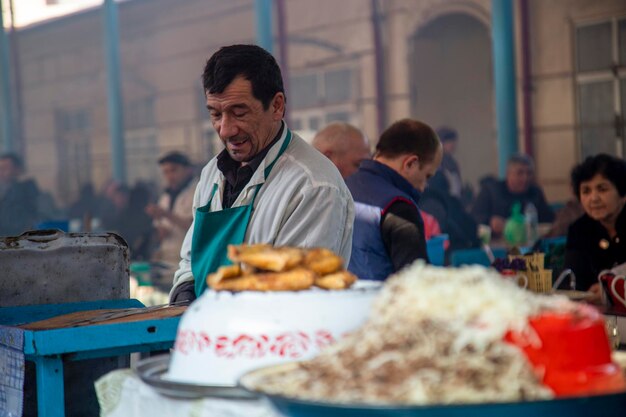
448 177
172 214
268 185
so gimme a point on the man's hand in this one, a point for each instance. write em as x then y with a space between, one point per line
163 232
157 213
184 294
497 225
595 294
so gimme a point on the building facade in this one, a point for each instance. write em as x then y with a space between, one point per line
437 66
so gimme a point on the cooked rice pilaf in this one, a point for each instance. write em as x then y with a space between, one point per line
435 335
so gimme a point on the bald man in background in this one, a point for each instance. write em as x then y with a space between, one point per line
345 145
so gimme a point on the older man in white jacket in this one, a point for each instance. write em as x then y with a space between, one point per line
268 185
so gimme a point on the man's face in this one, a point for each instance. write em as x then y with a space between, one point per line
357 151
174 175
8 171
449 147
239 119
518 178
421 172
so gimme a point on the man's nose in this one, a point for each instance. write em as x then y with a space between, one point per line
228 127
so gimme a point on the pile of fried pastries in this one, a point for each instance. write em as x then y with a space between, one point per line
263 267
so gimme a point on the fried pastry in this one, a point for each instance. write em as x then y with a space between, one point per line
233 251
336 281
322 261
222 273
266 257
262 267
293 280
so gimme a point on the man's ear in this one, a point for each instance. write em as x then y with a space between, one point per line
409 161
277 106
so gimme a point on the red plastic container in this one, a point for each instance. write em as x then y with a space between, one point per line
571 352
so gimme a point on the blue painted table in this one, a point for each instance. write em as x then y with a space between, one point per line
49 348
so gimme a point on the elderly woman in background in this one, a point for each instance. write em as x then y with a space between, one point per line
597 240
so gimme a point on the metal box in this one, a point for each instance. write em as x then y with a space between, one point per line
53 267
49 266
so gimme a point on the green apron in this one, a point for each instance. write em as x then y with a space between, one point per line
214 231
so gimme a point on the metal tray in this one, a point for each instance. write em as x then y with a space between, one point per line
153 370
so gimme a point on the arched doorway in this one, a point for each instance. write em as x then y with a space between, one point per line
452 84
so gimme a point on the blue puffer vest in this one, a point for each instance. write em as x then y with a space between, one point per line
375 187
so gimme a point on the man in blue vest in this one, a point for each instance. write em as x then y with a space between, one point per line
388 230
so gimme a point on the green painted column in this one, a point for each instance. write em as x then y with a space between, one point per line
502 35
8 144
263 11
114 90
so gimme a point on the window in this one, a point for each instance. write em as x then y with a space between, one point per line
601 86
139 113
73 136
340 116
321 88
322 97
304 91
142 154
337 86
141 141
307 123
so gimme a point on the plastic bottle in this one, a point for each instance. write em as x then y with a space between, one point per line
515 227
531 221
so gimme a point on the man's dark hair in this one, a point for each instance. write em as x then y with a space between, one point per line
252 62
408 136
610 167
14 158
175 158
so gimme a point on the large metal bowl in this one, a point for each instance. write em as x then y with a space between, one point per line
223 335
613 405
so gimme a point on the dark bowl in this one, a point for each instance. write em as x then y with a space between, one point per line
592 406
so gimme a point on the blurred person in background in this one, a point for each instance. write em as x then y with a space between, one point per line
19 209
446 199
345 145
388 229
448 176
173 213
496 198
597 240
114 202
134 225
564 217
86 206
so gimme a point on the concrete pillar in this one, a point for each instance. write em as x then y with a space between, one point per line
263 12
502 34
114 90
8 144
